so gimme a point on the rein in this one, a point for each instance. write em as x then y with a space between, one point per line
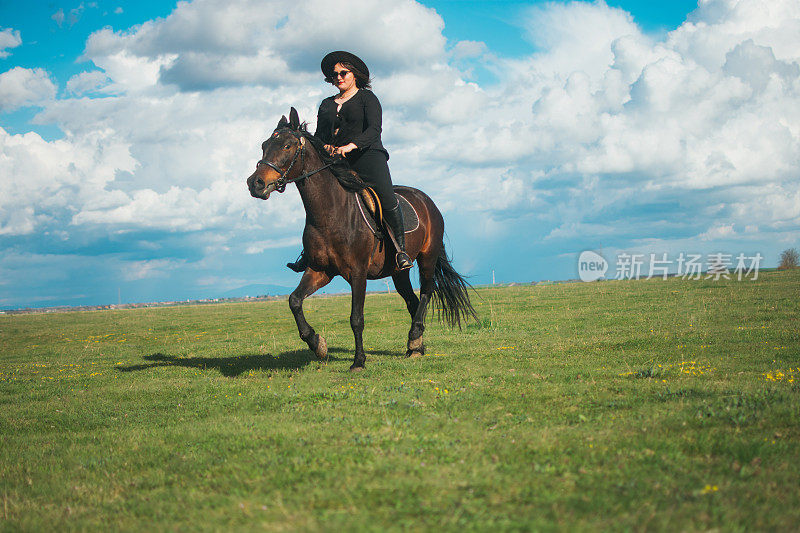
283 181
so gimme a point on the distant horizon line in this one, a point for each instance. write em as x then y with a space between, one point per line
277 297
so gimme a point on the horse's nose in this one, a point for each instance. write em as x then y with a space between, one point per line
260 183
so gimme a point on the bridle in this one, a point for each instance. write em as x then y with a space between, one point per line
283 181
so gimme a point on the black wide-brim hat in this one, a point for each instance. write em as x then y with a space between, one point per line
340 56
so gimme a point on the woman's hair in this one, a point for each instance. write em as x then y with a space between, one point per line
362 80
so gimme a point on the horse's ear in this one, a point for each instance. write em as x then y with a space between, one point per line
294 120
282 123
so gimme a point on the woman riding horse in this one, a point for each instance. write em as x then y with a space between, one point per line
350 125
339 241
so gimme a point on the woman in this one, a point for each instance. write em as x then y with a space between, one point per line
350 125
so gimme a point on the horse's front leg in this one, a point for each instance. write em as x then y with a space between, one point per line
309 284
358 285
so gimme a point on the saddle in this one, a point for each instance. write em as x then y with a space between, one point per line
370 201
371 211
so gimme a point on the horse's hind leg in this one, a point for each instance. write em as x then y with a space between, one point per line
309 283
402 283
427 265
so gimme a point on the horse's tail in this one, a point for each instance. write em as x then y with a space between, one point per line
450 293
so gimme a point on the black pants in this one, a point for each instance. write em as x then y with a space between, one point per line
373 168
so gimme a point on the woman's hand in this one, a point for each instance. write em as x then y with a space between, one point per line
343 150
330 149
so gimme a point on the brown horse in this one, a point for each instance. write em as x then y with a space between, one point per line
338 241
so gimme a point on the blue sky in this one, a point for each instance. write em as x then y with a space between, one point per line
128 129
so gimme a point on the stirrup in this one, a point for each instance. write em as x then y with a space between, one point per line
403 261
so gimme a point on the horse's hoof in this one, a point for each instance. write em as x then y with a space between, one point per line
355 368
322 348
416 348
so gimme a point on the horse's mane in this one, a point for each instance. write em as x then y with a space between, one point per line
347 177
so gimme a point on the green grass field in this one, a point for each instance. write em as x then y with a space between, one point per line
641 405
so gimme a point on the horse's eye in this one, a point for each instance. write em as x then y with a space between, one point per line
286 146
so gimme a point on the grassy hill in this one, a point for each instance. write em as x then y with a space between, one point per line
652 404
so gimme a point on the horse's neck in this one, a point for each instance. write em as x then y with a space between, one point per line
323 197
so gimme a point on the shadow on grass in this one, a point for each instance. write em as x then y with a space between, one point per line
350 352
229 366
236 365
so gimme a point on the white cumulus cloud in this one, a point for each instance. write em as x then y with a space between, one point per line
86 82
45 183
9 38
22 86
207 44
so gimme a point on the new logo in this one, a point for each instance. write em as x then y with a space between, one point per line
591 266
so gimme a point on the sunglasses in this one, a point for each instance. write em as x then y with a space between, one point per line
340 74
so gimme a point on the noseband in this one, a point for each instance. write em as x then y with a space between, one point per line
283 181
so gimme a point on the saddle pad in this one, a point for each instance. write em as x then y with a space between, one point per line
410 218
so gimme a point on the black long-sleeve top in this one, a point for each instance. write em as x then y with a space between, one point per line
358 121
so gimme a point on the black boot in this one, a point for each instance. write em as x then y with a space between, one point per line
394 219
301 264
